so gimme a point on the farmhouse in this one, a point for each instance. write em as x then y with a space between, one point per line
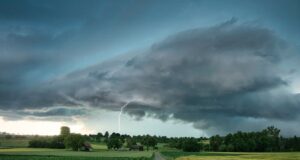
86 147
136 148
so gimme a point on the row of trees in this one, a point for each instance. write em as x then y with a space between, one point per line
116 141
267 140
66 139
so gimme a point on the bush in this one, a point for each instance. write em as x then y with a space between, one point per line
74 141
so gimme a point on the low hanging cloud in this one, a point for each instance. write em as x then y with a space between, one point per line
221 78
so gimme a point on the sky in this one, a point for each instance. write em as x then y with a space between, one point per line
178 68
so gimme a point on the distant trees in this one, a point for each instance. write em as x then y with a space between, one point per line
268 140
191 145
74 141
215 142
130 142
51 142
99 137
114 143
149 141
64 140
47 142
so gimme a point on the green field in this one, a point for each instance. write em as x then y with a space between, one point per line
14 149
100 152
63 152
232 156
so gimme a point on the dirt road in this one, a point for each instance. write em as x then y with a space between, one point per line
158 156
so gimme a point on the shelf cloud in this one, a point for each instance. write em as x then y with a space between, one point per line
228 76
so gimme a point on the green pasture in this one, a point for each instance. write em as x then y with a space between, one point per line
99 146
63 152
11 157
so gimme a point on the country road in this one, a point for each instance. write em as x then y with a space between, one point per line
158 156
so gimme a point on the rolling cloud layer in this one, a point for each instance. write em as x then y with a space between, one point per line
224 77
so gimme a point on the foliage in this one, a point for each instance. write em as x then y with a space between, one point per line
191 145
268 140
114 143
47 142
149 141
74 141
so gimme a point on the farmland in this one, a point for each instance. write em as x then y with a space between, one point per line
231 155
11 150
101 152
121 147
62 154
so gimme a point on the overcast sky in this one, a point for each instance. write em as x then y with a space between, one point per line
185 68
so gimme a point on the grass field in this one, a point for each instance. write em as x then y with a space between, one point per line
14 149
10 157
63 152
232 156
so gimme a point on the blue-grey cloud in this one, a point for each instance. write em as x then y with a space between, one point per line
228 72
225 73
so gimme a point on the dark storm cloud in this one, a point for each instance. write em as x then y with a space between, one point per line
225 73
228 72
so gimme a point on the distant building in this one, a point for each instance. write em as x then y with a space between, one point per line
86 147
136 148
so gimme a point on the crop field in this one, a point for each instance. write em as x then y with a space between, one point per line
61 154
10 157
232 156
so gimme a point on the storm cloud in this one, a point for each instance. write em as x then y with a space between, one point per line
227 76
63 59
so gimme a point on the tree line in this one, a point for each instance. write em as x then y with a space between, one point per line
267 140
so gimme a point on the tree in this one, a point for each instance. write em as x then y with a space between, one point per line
191 145
106 136
149 141
64 131
57 142
114 143
215 142
74 141
99 136
130 142
272 134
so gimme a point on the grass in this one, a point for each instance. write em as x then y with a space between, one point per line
232 155
11 157
63 152
15 149
99 146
